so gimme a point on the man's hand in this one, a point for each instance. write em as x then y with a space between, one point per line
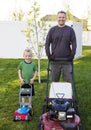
51 58
71 57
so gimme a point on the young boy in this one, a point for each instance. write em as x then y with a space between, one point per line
27 71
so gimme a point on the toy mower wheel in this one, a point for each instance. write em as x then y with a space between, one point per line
15 119
31 112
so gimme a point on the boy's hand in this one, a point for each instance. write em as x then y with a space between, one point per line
22 81
32 81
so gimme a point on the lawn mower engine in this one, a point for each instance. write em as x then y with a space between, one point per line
61 110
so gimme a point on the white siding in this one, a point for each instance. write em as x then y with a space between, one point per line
13 41
86 38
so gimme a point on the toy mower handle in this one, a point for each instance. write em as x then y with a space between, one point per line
26 86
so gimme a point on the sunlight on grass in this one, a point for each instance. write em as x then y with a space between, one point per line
2 89
76 62
1 69
14 83
86 52
43 73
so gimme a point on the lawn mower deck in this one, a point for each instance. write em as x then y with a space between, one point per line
52 124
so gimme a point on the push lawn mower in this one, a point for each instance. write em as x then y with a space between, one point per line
61 109
24 112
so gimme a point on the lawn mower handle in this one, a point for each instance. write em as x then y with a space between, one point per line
63 60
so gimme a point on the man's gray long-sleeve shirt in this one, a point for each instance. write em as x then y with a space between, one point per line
62 42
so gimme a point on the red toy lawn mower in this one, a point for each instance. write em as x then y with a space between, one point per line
24 112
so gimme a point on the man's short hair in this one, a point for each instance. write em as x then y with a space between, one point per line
61 12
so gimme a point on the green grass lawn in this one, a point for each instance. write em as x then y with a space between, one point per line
9 92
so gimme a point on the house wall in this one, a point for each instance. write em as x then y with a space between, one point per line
13 41
86 38
78 31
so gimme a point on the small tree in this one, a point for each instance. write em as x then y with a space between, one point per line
35 33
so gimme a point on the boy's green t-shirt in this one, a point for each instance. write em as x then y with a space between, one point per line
27 70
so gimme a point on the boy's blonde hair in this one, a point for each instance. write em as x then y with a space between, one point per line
28 50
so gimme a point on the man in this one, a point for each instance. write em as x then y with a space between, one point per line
61 45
